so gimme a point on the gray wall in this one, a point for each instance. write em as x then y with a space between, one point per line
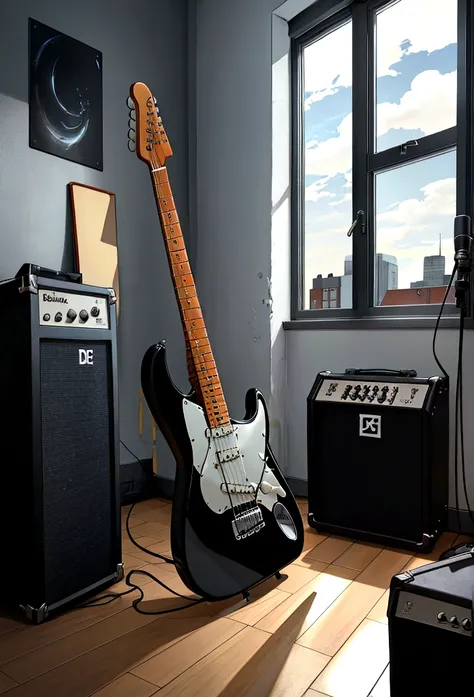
146 43
234 188
234 214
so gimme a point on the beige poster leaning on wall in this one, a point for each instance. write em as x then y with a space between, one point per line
95 236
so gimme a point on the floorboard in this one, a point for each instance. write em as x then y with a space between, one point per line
319 631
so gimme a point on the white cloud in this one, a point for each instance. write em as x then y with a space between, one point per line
315 191
345 199
328 64
429 104
428 24
332 156
415 222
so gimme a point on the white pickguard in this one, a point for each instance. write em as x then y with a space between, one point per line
250 439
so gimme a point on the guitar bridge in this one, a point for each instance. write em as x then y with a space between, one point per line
248 523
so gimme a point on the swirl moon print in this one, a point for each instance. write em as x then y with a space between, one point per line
65 97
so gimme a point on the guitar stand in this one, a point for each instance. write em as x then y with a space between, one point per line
246 594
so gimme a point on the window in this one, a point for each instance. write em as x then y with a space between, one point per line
381 99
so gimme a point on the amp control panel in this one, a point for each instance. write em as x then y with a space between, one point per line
390 394
435 613
60 309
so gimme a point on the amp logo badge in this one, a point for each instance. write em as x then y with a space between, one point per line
86 356
370 426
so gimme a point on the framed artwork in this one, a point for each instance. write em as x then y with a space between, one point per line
95 236
65 96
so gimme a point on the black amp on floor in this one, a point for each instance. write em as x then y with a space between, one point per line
378 456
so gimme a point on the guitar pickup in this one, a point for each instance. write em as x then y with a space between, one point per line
227 455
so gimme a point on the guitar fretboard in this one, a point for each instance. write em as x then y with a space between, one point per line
201 364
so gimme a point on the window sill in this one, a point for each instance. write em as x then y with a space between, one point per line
448 322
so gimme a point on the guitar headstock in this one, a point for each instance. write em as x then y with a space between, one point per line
146 133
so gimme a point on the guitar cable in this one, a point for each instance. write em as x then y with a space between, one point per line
110 597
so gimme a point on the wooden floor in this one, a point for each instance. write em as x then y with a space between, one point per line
320 631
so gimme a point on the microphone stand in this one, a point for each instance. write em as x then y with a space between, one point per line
462 259
462 268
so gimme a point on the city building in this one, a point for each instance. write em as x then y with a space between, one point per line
336 291
330 292
433 271
386 276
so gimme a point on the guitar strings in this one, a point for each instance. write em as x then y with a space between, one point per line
245 502
156 183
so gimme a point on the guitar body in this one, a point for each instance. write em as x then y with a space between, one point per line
212 558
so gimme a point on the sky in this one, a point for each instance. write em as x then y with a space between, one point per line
416 96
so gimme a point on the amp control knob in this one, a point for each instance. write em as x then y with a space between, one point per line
442 617
453 621
84 315
95 311
72 314
46 317
58 317
466 624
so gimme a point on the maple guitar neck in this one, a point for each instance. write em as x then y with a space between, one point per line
200 360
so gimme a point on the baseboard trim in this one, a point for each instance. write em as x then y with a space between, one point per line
163 486
299 487
461 523
136 481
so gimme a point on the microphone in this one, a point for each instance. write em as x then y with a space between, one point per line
462 241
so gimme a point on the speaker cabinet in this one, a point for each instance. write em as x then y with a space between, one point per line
378 458
430 629
60 512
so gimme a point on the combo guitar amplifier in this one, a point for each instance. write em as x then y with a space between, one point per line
430 615
378 456
60 526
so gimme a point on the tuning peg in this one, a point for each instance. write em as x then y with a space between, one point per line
131 145
130 103
154 99
133 115
132 125
132 135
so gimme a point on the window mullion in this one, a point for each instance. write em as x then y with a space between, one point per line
432 144
465 117
360 139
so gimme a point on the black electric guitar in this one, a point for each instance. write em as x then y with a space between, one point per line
234 521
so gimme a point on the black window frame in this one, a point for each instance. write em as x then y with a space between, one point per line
319 19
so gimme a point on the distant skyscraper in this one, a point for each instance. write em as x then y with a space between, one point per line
348 265
433 271
386 276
